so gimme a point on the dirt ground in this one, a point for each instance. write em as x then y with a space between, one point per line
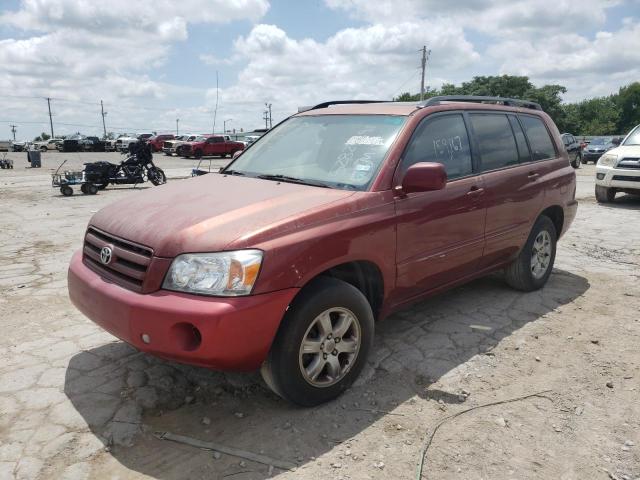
77 403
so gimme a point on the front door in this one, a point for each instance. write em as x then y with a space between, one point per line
440 234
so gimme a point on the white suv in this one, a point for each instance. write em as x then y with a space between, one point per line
618 170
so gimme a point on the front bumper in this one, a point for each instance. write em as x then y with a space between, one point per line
231 333
590 156
621 178
169 150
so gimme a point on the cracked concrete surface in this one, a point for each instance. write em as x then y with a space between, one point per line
77 403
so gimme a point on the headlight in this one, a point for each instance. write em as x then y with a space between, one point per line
607 160
227 274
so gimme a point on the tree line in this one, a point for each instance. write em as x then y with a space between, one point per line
615 114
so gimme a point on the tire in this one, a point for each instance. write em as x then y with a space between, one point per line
340 303
583 161
576 161
157 176
92 189
43 149
66 190
83 188
605 194
526 272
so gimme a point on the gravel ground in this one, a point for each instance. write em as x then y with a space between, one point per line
77 403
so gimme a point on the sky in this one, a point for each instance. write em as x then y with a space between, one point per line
154 61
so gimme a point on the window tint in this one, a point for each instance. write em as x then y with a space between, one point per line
443 140
523 149
495 140
539 139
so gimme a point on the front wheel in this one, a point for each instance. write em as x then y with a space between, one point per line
322 343
605 194
157 176
533 266
576 161
66 190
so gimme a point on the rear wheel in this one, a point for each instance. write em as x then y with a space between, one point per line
533 266
576 161
43 149
92 189
66 190
322 343
605 194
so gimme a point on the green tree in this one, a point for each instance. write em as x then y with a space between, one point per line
628 101
43 137
599 116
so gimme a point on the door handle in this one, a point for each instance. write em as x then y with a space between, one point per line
533 175
475 191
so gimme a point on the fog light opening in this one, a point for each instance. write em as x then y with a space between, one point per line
600 176
186 336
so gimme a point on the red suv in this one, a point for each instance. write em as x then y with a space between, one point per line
337 217
157 141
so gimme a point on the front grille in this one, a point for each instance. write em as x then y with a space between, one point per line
629 163
626 178
129 261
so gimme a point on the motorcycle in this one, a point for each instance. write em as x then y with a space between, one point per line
138 167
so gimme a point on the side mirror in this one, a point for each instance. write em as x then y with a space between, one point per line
424 177
616 141
236 154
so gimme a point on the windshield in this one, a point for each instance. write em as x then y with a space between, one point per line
599 141
633 138
339 151
199 139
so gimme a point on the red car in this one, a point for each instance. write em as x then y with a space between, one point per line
209 145
157 141
330 222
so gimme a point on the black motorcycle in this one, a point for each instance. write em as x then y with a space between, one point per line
138 167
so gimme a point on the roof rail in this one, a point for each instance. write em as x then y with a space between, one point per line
339 102
512 102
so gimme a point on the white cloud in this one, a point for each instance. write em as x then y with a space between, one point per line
80 49
367 62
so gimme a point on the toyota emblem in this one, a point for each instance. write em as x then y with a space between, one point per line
105 255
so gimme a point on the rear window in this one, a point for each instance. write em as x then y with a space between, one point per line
539 138
495 140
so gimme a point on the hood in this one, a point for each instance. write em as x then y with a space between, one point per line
214 213
626 151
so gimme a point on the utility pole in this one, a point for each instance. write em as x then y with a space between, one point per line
265 115
425 57
13 130
224 127
268 105
50 118
215 111
177 129
104 126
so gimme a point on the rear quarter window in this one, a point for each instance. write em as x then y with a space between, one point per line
539 138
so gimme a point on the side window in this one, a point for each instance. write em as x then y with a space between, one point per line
539 139
442 139
495 140
523 149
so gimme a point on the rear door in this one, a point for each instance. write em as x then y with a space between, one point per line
440 235
513 184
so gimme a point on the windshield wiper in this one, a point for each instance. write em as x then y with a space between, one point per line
232 172
285 178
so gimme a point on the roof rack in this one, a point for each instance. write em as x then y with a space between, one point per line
339 102
512 102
